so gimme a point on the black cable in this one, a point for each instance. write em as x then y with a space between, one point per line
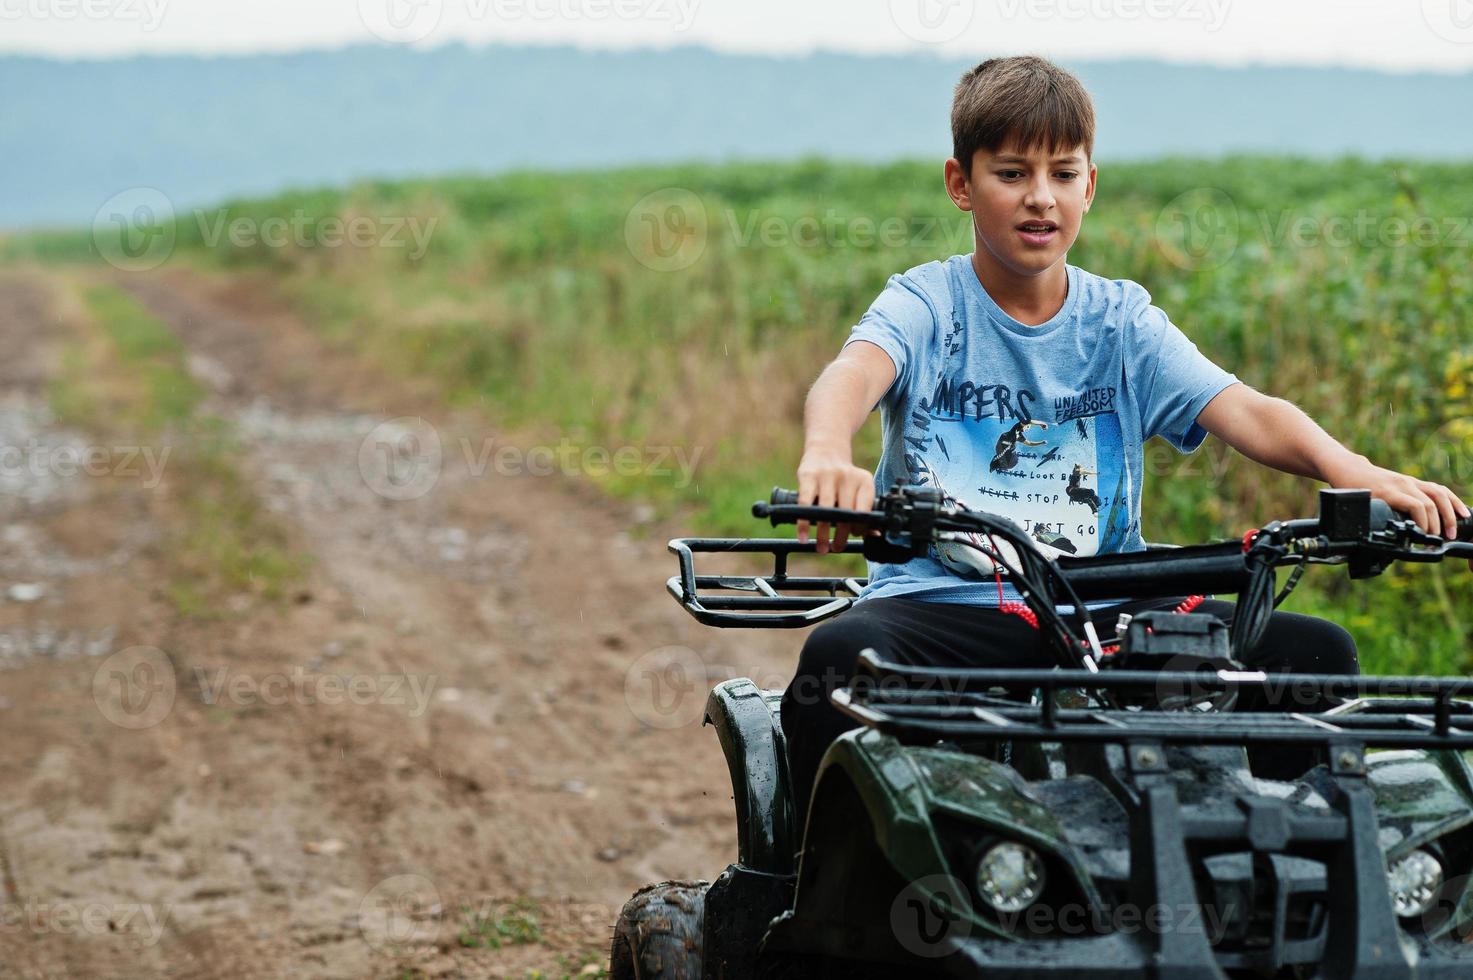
1039 598
1256 601
1294 578
1031 588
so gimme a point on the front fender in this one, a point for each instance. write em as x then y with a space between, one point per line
902 791
746 721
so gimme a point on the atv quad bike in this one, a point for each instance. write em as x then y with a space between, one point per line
1094 820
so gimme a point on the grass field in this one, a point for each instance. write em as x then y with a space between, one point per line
688 308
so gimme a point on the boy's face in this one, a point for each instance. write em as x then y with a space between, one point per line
1027 206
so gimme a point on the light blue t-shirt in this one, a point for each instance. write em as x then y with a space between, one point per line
1043 424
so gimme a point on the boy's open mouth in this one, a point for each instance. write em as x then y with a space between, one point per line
1038 232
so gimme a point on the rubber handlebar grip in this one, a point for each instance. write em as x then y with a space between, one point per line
1464 530
782 497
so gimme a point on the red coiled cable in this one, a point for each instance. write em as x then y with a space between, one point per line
1189 603
1019 609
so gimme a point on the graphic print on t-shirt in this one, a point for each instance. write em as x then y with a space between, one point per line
1055 465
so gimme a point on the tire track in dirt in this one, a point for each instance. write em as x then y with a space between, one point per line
305 835
64 537
522 601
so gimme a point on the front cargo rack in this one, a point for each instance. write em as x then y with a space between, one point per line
757 601
924 704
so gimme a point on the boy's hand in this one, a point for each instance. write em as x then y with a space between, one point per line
829 478
1434 507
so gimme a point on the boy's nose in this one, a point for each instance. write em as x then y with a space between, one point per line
1039 196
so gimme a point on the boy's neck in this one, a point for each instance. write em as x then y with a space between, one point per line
1031 300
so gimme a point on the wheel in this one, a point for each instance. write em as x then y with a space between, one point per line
658 935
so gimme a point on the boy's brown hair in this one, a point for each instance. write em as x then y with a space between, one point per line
1024 98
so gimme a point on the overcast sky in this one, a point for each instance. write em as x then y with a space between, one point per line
1397 35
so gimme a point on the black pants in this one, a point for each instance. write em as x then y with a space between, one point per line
950 635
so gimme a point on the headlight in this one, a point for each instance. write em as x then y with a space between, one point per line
1010 876
1414 882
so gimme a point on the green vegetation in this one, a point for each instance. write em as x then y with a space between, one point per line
572 968
577 306
123 376
515 924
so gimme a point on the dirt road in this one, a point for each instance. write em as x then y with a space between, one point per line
469 732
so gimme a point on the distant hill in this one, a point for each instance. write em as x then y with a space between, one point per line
73 134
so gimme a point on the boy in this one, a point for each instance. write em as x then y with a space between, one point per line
1026 386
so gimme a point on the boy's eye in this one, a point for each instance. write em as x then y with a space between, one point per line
1010 174
1066 174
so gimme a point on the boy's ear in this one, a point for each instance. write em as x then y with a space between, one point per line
958 184
1089 191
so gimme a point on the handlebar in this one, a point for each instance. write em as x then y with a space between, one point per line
783 508
1352 527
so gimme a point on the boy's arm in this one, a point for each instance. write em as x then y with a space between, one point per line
1276 433
838 403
